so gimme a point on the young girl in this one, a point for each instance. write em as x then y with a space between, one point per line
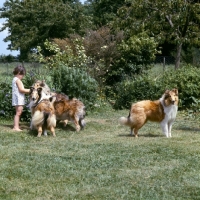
18 97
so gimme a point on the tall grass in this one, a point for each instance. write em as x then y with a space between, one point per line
101 162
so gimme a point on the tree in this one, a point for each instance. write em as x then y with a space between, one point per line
30 23
104 11
174 21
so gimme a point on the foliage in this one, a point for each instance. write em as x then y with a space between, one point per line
185 79
139 88
144 87
30 23
7 58
101 47
136 53
172 21
73 55
68 71
104 11
75 82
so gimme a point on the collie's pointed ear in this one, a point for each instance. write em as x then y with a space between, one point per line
52 99
166 94
175 91
31 89
42 84
167 91
39 90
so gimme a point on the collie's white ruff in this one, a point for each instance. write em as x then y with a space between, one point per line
170 116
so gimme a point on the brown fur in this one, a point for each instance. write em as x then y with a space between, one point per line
65 109
43 85
43 113
73 110
43 117
147 110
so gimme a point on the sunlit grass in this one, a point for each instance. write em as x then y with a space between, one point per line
101 162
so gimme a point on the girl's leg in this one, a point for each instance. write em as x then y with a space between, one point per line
18 110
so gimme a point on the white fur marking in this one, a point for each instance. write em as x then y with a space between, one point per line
170 115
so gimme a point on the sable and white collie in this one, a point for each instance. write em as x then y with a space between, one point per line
70 109
43 113
42 84
163 110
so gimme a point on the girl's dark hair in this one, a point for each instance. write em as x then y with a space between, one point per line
19 70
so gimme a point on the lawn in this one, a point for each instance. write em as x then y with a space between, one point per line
102 161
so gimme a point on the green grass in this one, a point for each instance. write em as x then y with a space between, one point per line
101 162
6 70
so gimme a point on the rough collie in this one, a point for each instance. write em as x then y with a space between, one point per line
163 110
43 117
42 84
70 110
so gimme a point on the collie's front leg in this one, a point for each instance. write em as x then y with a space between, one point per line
39 131
31 125
170 128
164 127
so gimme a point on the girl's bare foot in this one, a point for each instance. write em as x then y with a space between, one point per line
16 129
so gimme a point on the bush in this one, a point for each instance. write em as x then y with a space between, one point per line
139 88
75 82
185 80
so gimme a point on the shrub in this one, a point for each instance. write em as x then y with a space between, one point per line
185 80
136 55
139 88
75 82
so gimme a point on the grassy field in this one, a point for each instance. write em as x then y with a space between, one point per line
6 70
101 162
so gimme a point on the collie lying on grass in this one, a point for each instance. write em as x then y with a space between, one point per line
163 111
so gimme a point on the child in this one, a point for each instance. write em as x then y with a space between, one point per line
18 97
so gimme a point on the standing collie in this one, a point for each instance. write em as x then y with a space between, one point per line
70 110
163 111
43 113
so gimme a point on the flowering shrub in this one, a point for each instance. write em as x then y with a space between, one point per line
67 56
68 72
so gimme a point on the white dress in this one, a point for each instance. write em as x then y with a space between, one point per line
18 98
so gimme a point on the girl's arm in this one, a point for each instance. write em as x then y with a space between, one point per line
21 87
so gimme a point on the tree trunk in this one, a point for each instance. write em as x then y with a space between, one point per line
178 56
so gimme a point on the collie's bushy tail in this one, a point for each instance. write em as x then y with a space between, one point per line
43 118
51 120
38 118
125 121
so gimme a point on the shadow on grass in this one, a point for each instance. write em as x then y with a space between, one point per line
59 127
152 135
23 126
143 135
186 128
68 127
